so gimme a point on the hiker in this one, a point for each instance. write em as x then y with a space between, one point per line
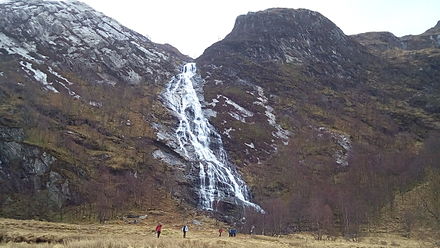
252 229
234 232
184 230
220 232
158 229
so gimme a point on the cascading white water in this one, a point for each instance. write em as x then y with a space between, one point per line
200 143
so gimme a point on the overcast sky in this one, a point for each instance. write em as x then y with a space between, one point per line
193 25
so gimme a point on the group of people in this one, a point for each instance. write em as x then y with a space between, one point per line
232 231
185 229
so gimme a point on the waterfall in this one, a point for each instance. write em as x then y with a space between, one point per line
199 143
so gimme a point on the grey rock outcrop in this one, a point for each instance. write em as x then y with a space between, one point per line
27 169
292 36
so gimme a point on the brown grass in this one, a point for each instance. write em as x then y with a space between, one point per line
25 234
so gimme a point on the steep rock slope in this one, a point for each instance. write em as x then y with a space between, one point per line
76 38
296 98
78 95
299 37
276 70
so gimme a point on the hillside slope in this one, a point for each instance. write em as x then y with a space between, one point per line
79 94
309 117
317 120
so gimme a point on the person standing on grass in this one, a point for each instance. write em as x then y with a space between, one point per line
220 232
158 229
184 230
233 232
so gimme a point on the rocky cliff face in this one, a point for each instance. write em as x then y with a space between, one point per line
26 168
294 37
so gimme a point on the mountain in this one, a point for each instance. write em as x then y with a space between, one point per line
285 36
79 96
384 40
286 115
307 74
307 113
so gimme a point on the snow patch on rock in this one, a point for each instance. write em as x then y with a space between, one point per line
38 75
271 119
213 103
12 47
95 104
240 113
61 78
227 132
344 142
251 145
167 158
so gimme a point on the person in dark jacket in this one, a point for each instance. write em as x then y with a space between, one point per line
158 229
184 230
234 232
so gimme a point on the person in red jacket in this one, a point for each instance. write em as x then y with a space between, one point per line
158 229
